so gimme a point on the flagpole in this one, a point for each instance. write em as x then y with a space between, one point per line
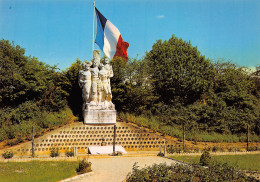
93 30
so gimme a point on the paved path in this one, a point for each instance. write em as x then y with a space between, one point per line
115 169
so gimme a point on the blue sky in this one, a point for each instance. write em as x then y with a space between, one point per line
59 31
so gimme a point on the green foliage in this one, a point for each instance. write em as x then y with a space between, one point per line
54 152
32 94
160 154
84 167
69 153
8 154
154 123
176 85
131 88
178 71
17 123
26 78
177 172
205 158
72 88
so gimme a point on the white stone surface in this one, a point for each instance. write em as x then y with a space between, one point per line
99 116
94 80
106 149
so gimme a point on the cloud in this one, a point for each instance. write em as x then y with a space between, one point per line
160 16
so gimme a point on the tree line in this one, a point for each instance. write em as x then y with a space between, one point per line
173 83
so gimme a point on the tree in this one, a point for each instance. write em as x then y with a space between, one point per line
235 87
179 73
12 60
75 97
26 78
131 88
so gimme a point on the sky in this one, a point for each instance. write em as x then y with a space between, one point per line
59 31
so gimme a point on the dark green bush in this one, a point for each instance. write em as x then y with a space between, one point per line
170 150
196 150
178 172
8 154
54 152
84 167
69 153
160 154
253 148
12 142
205 158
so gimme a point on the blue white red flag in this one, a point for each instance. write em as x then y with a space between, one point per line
109 39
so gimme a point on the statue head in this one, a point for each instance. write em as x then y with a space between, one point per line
101 66
95 63
86 65
107 61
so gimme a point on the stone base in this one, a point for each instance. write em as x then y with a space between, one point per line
106 149
99 116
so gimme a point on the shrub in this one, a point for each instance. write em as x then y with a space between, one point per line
69 153
253 148
178 172
170 150
215 149
3 135
12 142
160 154
54 152
8 154
84 167
205 158
196 149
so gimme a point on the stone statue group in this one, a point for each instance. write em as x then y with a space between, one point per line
94 80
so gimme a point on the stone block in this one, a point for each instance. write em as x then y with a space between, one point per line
99 116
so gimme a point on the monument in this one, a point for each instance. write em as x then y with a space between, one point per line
94 80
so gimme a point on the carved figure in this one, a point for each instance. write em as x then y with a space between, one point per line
103 74
95 84
94 80
85 81
109 68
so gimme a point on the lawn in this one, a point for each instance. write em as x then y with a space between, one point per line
243 162
37 171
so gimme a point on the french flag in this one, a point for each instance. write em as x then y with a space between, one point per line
109 39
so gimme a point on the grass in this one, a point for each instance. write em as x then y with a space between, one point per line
39 171
243 162
176 130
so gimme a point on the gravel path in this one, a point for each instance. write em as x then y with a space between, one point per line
115 169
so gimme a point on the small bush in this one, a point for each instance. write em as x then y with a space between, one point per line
8 154
160 154
12 142
170 150
54 152
69 153
215 149
196 150
84 167
253 148
205 158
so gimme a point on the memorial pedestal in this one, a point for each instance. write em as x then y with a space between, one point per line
97 114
